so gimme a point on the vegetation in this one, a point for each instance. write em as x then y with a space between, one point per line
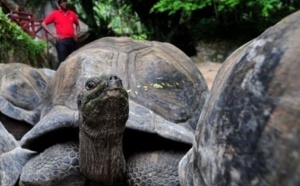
183 22
110 17
180 22
227 19
18 46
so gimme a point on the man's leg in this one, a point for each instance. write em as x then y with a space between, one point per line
62 50
72 46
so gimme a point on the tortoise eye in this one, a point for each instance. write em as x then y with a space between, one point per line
90 85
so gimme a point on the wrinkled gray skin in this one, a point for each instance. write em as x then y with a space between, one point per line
104 110
166 96
249 131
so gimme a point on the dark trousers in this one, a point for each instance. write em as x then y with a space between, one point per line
64 48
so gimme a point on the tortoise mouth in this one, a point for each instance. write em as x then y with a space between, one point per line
116 92
112 101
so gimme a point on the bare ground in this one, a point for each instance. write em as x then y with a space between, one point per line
209 71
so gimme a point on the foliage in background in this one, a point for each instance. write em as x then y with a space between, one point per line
184 7
226 19
262 12
18 46
181 22
113 17
36 3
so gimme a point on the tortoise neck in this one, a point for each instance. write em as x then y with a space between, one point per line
101 156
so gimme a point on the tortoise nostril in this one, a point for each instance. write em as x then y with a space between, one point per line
114 81
113 78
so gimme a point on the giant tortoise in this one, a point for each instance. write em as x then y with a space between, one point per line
249 130
166 94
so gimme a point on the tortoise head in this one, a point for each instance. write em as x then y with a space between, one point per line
103 112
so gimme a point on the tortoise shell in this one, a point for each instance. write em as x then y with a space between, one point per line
164 85
21 90
248 133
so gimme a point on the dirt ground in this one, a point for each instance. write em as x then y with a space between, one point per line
209 70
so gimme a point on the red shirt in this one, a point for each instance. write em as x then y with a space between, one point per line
63 22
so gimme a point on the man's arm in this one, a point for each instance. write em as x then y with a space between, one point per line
46 28
77 27
77 32
44 25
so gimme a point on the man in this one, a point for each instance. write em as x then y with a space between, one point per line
64 21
